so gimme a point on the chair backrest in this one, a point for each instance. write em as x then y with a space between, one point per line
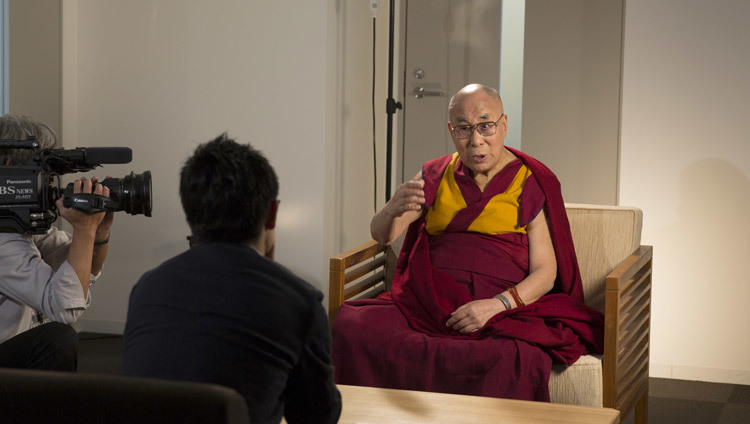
61 397
603 237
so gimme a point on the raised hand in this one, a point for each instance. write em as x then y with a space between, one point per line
405 207
409 196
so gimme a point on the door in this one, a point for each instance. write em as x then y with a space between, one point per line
449 43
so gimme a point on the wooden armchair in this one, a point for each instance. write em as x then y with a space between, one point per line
616 271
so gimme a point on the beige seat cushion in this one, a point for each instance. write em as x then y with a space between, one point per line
578 384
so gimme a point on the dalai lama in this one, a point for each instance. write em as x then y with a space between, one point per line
487 293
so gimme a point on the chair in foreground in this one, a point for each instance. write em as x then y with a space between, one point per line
616 272
60 397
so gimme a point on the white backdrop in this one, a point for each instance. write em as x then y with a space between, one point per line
685 160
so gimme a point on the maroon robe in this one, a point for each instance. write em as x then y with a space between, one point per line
401 341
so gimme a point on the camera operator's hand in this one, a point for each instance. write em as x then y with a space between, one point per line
85 256
102 231
78 219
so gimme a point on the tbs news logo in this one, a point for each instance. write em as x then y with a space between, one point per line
11 189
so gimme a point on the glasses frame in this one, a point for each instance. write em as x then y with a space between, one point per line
475 127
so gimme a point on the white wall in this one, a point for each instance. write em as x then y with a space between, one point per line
686 161
512 29
571 94
163 76
34 79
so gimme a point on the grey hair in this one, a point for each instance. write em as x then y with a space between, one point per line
19 127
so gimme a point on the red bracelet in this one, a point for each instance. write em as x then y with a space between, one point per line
516 297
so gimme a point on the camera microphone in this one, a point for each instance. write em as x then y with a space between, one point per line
107 155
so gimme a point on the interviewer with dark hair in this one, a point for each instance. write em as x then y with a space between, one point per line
44 279
224 312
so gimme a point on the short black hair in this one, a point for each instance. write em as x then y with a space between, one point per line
226 190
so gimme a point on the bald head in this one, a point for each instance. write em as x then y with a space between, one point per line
473 89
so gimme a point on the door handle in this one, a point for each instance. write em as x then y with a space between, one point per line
420 92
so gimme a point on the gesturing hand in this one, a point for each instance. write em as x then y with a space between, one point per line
473 315
409 196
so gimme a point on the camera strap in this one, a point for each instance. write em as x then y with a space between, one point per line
90 203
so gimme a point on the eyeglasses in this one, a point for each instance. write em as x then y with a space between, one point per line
485 129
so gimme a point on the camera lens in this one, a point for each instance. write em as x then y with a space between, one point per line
133 192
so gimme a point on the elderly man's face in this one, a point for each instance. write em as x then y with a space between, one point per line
482 154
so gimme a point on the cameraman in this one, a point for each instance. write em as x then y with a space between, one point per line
47 277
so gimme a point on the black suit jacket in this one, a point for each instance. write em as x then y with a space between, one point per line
221 313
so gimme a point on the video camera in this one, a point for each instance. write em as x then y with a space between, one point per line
28 191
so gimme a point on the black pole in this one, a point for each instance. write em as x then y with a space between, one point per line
390 106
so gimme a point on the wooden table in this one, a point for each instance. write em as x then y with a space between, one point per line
368 405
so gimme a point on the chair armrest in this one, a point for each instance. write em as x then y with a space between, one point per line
358 271
627 329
